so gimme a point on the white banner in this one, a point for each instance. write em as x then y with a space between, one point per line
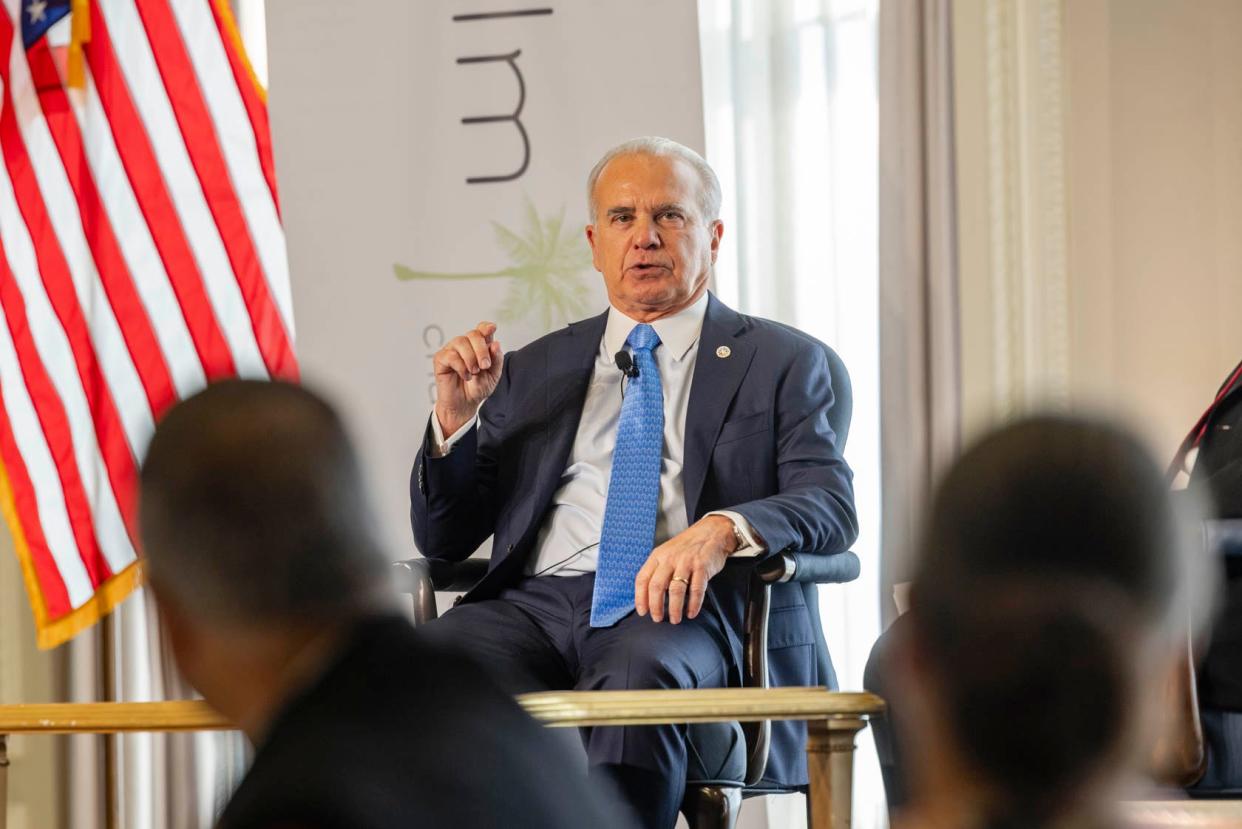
432 158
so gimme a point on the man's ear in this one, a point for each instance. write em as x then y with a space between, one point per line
717 232
590 234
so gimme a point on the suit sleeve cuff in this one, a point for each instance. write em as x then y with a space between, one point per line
752 544
440 445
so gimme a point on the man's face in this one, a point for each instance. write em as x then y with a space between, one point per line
650 239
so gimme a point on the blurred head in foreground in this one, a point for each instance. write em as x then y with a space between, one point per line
258 539
278 606
1051 600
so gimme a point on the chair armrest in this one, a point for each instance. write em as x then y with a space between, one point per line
422 578
414 577
457 576
782 567
816 568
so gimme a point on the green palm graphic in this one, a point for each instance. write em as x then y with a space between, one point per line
546 270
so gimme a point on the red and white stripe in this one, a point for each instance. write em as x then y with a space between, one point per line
141 256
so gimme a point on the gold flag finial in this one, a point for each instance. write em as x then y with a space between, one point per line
79 36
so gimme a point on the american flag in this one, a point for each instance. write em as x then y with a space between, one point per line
141 256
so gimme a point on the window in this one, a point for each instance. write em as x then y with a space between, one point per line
790 100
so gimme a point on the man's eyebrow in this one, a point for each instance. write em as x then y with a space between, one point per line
658 209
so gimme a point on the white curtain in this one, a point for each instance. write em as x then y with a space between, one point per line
790 94
142 781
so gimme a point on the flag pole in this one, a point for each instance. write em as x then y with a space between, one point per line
107 637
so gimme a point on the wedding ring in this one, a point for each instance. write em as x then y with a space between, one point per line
684 581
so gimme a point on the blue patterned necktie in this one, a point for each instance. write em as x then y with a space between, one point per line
634 488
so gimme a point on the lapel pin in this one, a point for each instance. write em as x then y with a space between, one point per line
723 351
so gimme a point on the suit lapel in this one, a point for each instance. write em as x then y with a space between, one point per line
716 381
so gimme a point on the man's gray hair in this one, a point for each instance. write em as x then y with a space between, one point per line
253 509
709 185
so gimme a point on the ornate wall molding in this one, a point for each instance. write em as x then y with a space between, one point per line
1027 204
1053 219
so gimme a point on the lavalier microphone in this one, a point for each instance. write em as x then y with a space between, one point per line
625 363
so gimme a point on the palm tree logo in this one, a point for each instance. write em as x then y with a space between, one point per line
547 264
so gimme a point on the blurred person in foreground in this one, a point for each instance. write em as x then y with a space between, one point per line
274 592
1055 578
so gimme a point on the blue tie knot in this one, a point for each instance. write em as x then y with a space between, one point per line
643 337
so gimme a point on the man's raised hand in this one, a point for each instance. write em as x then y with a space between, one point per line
467 370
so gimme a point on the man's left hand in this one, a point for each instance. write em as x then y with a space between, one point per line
681 567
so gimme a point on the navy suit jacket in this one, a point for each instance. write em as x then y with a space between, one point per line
757 442
396 734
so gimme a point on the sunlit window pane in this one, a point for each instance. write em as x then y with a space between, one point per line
790 104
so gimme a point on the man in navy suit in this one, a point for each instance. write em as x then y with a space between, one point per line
718 425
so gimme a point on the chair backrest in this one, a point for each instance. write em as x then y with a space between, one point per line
839 417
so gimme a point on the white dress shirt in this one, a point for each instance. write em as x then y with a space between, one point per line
568 540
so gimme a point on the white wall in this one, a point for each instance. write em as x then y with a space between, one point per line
1155 171
1145 127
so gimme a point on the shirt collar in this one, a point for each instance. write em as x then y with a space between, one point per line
678 333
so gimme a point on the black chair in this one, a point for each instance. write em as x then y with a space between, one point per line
1219 729
726 760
